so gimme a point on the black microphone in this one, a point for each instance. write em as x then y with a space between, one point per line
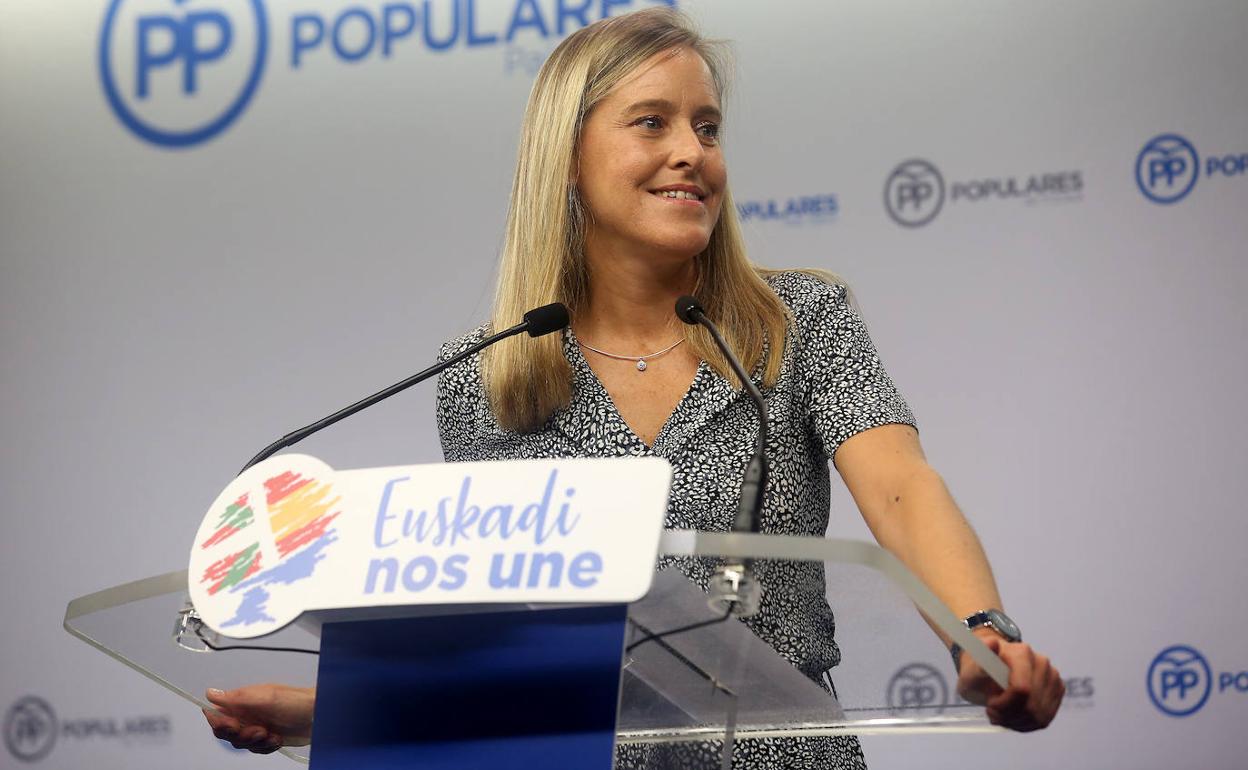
537 322
543 320
755 481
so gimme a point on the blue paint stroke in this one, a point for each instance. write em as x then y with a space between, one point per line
295 568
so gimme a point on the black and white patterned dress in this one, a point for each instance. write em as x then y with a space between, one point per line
831 386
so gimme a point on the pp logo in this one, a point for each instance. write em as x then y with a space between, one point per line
30 729
914 193
918 686
1179 681
179 72
1167 168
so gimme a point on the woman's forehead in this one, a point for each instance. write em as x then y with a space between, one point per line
680 73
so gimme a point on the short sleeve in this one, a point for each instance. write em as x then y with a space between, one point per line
844 385
461 402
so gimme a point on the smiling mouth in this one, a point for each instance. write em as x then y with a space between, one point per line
679 195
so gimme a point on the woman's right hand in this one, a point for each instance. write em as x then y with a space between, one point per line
262 717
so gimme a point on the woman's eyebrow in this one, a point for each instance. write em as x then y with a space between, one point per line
663 105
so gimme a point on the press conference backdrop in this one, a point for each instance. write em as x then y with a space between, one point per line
222 219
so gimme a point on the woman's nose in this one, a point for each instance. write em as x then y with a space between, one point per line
687 150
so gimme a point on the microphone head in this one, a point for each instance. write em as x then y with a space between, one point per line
546 319
688 309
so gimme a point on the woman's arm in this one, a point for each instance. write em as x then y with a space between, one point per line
909 510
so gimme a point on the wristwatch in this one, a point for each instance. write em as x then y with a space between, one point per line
996 620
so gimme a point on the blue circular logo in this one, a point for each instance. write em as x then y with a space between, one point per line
1179 681
30 729
1167 168
918 686
914 193
179 72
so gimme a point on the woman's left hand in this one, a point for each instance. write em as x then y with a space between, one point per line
1035 687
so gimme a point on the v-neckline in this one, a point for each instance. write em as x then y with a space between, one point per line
587 385
581 364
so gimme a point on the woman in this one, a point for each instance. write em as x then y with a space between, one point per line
620 205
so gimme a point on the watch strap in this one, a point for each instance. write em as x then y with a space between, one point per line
1006 629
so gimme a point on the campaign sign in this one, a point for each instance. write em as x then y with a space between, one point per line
291 535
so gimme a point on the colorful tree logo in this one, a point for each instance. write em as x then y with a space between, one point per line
258 560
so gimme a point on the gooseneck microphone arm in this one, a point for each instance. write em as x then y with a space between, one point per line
537 322
754 484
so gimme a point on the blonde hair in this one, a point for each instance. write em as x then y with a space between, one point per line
528 379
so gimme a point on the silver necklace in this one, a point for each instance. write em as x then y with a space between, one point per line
641 360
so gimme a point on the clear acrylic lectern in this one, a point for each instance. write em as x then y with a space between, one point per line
717 681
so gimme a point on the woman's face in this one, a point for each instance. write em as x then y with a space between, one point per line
650 169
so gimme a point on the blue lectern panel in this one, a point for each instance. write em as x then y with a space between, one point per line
520 689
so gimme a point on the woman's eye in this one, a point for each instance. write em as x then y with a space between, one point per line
651 121
709 131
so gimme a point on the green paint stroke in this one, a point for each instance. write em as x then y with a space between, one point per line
236 516
241 565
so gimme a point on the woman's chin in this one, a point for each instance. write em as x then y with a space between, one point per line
685 246
671 245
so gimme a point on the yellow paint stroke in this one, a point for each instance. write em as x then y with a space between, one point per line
300 508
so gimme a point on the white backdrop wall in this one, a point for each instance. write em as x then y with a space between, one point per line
1072 344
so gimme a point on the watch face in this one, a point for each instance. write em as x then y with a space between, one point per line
1002 623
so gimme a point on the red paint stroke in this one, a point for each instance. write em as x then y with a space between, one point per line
305 534
237 516
283 484
227 571
220 535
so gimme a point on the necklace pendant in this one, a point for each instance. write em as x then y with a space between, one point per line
641 365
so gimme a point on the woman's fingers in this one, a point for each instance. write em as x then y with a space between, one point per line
216 697
1034 692
1050 689
281 714
241 701
218 721
272 744
974 684
1021 660
251 737
1034 695
1041 688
